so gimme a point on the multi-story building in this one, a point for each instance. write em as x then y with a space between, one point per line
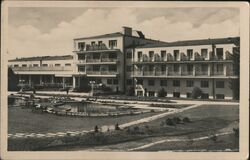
126 59
178 67
102 58
44 70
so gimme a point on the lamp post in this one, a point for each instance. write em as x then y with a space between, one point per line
92 88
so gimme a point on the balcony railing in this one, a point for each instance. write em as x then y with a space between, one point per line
42 68
187 73
101 72
219 73
91 60
201 73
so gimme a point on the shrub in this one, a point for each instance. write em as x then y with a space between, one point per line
131 91
162 93
214 138
176 120
186 120
170 122
236 132
96 128
196 93
117 126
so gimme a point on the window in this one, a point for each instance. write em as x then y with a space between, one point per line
163 68
150 68
81 68
96 68
151 93
129 82
204 67
219 52
140 81
67 64
57 65
115 81
45 65
176 94
204 53
163 54
35 65
96 56
81 46
204 96
92 43
220 68
151 55
190 54
112 43
112 55
112 68
176 83
24 65
109 81
176 67
129 55
220 96
190 68
190 83
129 69
81 56
163 83
139 93
220 84
139 54
151 82
16 65
99 43
189 95
176 54
204 84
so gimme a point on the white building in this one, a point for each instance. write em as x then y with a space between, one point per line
126 59
180 66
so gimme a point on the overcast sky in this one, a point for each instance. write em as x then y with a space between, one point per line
50 31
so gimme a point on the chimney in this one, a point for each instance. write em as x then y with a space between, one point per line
127 31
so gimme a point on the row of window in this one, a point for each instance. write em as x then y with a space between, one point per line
189 67
112 44
190 53
188 95
98 68
176 83
96 56
43 65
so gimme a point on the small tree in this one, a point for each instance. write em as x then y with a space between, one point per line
162 93
176 120
236 132
96 129
131 91
196 93
186 120
117 126
170 122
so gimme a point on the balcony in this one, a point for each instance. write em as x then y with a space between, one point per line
99 61
101 73
201 73
42 68
187 73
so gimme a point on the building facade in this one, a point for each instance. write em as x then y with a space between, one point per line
179 67
127 60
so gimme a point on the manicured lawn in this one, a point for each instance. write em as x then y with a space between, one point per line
24 121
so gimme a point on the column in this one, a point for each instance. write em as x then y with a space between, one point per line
63 79
74 82
29 79
41 79
225 70
180 72
209 69
194 70
52 79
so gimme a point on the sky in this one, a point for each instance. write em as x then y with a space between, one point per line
38 31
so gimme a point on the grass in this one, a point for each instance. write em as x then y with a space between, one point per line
25 121
222 143
205 120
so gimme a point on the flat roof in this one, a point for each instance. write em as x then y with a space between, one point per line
43 58
115 34
229 40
